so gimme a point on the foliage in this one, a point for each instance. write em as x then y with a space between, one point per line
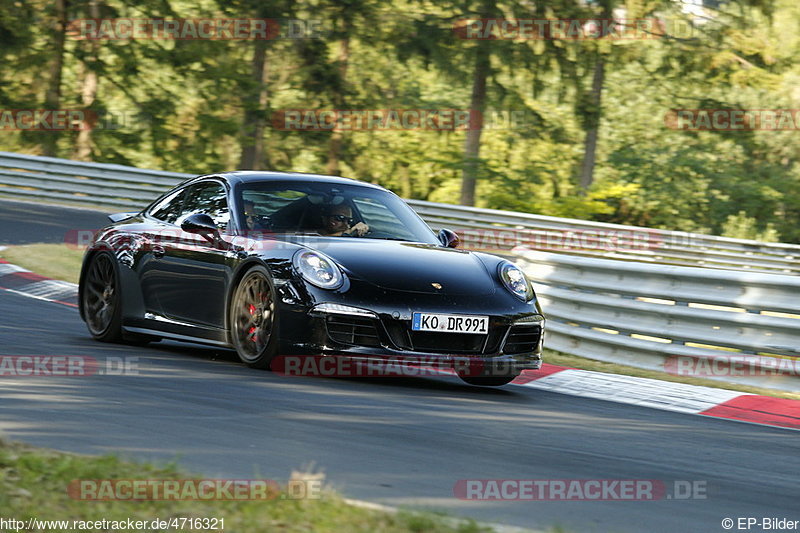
186 105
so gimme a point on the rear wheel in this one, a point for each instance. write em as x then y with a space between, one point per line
488 381
100 299
253 319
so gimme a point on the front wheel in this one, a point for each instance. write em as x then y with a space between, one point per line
100 299
488 381
253 320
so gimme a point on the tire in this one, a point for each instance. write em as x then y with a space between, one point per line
253 319
100 299
488 381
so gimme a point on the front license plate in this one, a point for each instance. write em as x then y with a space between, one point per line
450 323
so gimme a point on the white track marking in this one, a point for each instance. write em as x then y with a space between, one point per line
654 393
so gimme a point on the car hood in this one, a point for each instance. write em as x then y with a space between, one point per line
415 267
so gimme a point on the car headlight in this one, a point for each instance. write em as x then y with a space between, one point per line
318 269
515 281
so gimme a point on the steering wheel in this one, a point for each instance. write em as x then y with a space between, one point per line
380 234
262 223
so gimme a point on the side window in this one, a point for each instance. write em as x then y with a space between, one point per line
210 198
169 209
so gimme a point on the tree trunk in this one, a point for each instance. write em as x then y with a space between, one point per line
83 143
52 99
337 137
403 175
254 116
477 106
594 110
593 126
334 153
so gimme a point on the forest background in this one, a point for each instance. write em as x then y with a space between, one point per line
578 125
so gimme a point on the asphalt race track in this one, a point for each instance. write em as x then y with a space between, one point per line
29 222
392 441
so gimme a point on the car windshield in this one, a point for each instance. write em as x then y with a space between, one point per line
330 209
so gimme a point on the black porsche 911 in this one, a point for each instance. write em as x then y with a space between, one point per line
273 264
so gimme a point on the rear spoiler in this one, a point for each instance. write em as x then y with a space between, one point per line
117 217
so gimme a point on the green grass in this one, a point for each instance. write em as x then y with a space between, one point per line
33 484
62 262
57 261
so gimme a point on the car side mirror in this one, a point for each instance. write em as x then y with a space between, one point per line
201 224
448 238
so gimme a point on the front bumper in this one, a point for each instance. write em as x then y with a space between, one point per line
377 331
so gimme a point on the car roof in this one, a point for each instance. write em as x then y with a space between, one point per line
248 176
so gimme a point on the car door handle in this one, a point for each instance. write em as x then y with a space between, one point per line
159 250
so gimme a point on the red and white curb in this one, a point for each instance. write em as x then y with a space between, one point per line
652 393
665 395
20 281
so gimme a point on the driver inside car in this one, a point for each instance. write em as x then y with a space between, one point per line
253 220
337 221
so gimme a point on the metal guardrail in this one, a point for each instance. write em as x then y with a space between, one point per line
117 186
496 230
733 326
93 184
606 297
